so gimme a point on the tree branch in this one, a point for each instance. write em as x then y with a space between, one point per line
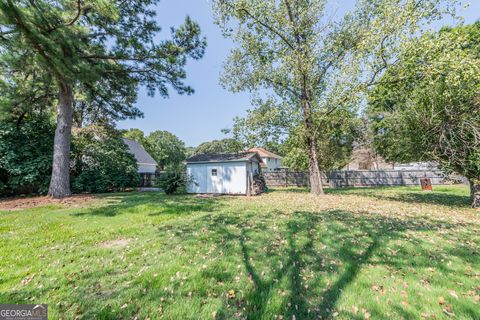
79 12
263 24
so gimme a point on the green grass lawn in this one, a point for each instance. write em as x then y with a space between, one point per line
384 253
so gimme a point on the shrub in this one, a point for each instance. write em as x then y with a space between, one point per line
26 156
173 182
102 162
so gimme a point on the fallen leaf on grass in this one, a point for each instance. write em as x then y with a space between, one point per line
448 311
453 294
28 279
355 310
366 315
380 289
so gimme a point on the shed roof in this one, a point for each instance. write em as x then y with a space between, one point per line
139 152
264 153
223 157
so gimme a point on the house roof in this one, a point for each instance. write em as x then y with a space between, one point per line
264 153
223 157
139 152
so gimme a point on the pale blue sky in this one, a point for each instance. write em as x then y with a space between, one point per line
201 116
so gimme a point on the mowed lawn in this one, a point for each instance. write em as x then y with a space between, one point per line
384 253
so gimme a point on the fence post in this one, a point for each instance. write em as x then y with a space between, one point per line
286 178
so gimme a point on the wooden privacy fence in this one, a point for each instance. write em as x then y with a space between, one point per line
385 178
361 178
286 178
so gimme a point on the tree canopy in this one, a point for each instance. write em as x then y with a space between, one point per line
166 148
136 135
317 66
102 161
227 145
428 106
94 54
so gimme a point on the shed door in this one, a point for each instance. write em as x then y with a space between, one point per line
214 179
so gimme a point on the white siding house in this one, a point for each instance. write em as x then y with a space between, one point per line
271 161
222 173
145 162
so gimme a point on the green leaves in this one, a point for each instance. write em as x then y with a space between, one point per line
166 148
427 107
102 162
25 156
104 48
293 54
227 145
173 181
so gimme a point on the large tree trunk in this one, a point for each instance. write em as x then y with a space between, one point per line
306 99
475 193
315 176
60 181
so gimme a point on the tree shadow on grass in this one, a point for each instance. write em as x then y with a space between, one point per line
295 261
288 189
439 197
302 251
450 200
311 259
153 204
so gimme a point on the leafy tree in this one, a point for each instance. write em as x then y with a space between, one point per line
428 107
335 143
227 145
95 53
312 62
25 155
135 135
25 91
102 161
166 148
267 125
189 151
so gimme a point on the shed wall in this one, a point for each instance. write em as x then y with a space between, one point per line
231 178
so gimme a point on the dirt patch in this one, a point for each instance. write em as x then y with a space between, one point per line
115 244
32 202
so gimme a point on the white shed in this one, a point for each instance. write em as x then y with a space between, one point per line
223 173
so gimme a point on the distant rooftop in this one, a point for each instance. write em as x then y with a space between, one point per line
139 152
222 157
264 153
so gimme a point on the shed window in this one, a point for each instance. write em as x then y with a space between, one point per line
214 172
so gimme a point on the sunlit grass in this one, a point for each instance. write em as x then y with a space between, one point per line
383 253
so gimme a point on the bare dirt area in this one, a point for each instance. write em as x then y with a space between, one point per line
32 202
